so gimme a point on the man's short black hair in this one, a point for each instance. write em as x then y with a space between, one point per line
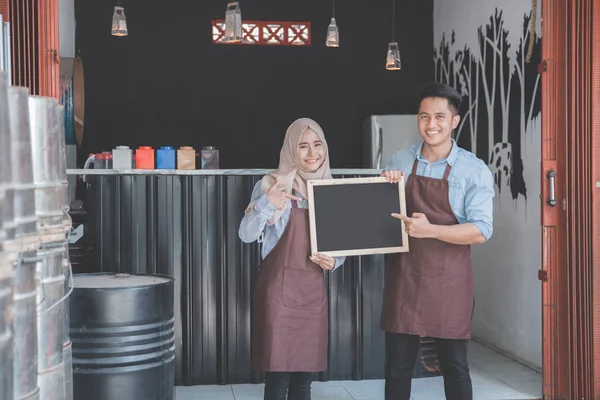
437 89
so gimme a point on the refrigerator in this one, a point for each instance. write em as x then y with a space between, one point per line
383 135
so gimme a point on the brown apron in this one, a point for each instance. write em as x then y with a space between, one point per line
290 313
429 289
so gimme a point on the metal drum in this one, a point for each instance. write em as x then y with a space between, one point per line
52 383
50 324
25 327
67 347
4 180
68 357
129 354
22 176
67 273
32 396
6 337
45 144
7 215
7 229
50 291
62 167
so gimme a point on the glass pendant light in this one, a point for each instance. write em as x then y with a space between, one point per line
233 23
392 61
119 22
333 35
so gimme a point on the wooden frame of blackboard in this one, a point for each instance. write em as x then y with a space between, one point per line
355 252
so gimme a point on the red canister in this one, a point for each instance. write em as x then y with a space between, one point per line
144 158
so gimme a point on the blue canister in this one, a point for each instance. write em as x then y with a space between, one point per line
165 158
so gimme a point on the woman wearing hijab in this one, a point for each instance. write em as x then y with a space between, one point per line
289 326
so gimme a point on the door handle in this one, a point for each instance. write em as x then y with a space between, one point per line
552 199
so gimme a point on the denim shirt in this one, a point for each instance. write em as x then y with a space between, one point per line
254 224
471 184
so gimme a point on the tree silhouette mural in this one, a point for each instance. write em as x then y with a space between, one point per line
501 97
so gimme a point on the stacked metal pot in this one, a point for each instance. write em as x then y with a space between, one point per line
33 251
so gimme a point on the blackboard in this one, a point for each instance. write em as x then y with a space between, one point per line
352 216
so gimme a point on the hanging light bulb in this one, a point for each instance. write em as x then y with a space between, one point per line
119 22
333 35
233 23
392 62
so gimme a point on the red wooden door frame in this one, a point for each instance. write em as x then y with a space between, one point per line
553 127
571 226
595 143
35 42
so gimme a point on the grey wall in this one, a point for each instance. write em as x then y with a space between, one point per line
502 127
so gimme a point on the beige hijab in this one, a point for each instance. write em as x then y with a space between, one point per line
289 173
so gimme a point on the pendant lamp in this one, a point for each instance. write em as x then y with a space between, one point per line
233 23
333 35
119 22
392 61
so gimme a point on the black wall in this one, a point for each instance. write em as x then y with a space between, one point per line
167 84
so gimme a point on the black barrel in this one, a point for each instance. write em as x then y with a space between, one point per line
122 331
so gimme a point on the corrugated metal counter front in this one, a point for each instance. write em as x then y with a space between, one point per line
185 224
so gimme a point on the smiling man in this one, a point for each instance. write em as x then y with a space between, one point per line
429 290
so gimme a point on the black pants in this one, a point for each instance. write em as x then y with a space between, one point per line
401 354
287 385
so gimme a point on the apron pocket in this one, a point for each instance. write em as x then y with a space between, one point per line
302 288
426 258
427 267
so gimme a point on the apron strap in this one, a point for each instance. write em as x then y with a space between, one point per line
414 169
447 172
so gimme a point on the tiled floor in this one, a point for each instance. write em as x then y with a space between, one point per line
494 377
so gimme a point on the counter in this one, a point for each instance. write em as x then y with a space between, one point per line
210 172
185 224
